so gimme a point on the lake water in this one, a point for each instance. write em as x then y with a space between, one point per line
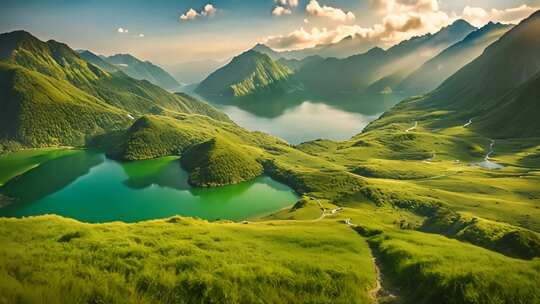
307 121
298 118
89 187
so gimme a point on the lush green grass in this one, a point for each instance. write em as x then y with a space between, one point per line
433 269
218 162
51 96
181 260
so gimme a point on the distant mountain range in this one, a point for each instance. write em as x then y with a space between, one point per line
432 73
52 96
133 67
376 71
348 46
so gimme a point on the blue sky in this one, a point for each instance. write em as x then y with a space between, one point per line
235 26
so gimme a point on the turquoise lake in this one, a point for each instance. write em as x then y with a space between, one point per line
89 187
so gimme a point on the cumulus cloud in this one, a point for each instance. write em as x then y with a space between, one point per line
284 7
315 9
141 35
280 11
303 38
208 10
122 30
398 20
478 16
189 15
287 3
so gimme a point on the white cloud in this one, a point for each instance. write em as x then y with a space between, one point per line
208 10
288 3
141 35
284 7
280 11
303 38
315 9
189 15
122 30
478 16
399 20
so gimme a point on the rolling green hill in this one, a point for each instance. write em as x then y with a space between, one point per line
247 74
51 96
219 162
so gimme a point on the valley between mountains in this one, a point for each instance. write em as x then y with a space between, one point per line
436 201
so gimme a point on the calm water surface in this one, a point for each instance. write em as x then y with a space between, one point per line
307 121
89 187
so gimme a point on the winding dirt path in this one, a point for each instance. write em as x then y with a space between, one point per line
413 127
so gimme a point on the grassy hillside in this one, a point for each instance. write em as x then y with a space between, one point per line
181 260
434 269
218 162
522 102
51 96
38 110
155 135
247 74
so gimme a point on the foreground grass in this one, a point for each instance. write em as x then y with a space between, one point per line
49 259
433 269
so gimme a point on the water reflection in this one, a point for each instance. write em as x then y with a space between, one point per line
51 176
91 188
307 121
300 116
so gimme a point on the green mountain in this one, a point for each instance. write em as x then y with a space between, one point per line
497 92
142 70
342 76
348 46
504 65
263 49
432 73
52 96
296 64
247 74
98 61
516 113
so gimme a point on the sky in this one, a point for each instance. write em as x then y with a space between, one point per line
169 32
